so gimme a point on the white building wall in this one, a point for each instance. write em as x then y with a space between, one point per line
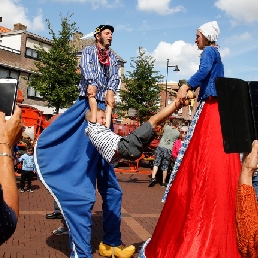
31 43
11 41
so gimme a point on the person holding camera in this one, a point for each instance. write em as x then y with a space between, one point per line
10 133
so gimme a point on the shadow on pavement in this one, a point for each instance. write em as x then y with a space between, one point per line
60 243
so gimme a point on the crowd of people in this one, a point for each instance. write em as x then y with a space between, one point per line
210 205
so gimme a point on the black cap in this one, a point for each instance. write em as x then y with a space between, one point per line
103 27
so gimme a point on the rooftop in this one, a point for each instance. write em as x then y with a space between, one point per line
3 29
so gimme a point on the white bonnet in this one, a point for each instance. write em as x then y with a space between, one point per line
210 30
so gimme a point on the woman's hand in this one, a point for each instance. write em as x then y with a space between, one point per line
11 130
249 165
182 93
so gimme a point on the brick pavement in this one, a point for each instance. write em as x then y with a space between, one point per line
33 237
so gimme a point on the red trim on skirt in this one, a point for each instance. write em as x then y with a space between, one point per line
198 218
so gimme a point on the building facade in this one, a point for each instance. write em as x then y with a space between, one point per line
18 56
17 59
168 94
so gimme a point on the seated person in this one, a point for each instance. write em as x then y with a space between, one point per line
247 208
114 147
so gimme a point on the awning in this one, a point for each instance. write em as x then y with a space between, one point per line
48 110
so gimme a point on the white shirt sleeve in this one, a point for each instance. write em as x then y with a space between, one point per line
104 140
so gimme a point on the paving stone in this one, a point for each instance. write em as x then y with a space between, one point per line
33 236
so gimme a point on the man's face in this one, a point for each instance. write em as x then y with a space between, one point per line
105 38
101 117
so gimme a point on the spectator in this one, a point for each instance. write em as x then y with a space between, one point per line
10 133
178 143
56 214
62 230
163 151
28 169
247 208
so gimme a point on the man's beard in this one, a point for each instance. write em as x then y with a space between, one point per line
101 41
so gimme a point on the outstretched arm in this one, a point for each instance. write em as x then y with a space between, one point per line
92 90
165 112
108 116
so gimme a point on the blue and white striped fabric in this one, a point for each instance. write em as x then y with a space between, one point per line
96 74
183 148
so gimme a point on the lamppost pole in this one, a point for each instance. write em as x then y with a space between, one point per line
166 97
176 70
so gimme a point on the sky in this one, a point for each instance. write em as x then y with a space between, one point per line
166 29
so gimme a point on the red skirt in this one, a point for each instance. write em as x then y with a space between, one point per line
198 218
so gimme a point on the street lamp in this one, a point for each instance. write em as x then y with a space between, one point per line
176 70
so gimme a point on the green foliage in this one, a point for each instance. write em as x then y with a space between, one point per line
56 77
141 87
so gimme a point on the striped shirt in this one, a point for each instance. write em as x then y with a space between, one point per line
103 139
96 74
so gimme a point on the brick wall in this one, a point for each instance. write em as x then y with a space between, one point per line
20 62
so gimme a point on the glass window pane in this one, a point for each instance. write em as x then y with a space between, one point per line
34 54
31 91
28 52
4 73
15 75
38 95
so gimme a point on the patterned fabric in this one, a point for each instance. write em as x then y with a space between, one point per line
27 162
183 148
104 140
162 156
8 220
141 253
103 55
96 74
247 221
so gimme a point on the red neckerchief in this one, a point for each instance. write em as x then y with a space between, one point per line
103 56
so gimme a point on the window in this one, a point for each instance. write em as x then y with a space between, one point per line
31 92
31 53
8 73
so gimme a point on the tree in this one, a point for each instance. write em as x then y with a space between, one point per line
141 87
56 77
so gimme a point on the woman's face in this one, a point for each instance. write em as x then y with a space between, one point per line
182 135
200 40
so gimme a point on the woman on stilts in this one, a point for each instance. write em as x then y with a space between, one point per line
198 218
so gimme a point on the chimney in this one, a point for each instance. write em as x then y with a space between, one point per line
77 36
19 26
